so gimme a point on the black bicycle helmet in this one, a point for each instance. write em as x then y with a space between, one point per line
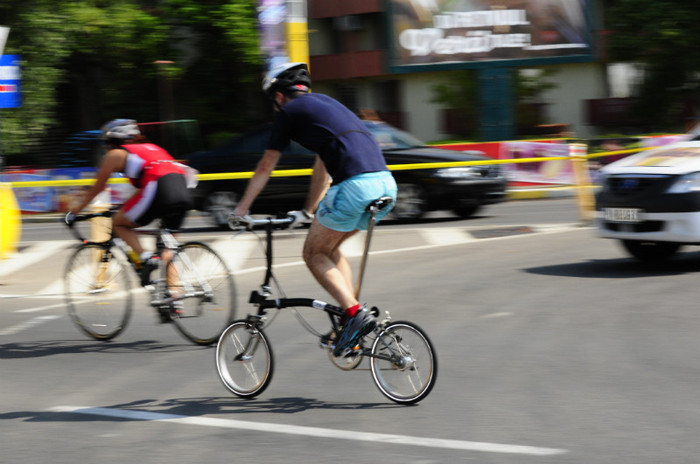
287 78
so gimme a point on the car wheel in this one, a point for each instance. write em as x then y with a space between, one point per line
466 211
410 202
220 205
651 252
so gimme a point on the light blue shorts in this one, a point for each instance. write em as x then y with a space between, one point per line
344 207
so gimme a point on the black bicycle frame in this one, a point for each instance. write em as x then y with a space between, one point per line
260 299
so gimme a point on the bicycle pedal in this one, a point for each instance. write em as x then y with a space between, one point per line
350 352
326 341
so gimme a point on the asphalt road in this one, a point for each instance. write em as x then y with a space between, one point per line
554 347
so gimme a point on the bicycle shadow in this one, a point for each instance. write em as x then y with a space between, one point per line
281 405
38 349
190 407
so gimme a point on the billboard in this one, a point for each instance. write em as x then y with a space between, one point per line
471 33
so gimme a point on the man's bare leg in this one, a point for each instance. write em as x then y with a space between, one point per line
328 265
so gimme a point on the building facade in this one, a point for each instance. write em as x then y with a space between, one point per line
356 57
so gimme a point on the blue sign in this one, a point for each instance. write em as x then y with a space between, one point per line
9 82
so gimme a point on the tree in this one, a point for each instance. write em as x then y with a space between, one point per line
87 61
220 82
38 35
662 36
458 92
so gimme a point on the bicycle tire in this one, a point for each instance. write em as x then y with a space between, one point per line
244 359
410 374
204 315
98 291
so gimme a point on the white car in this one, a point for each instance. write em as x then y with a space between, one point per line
650 201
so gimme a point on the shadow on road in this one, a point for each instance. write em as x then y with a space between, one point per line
144 410
624 268
40 349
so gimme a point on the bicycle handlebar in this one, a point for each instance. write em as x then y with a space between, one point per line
86 217
235 222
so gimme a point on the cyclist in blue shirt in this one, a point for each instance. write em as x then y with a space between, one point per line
347 155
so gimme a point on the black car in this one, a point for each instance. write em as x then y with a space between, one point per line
461 189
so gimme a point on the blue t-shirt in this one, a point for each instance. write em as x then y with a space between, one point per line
325 126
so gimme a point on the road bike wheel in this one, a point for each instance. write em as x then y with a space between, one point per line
208 305
98 292
403 362
244 359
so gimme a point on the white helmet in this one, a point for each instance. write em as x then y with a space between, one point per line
122 129
287 77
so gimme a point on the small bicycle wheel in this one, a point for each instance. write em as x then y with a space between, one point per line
403 362
346 363
244 359
98 292
206 294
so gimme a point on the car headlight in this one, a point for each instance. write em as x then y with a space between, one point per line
461 173
686 184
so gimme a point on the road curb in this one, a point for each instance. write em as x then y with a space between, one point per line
517 193
528 193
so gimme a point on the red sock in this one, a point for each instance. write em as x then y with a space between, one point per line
352 310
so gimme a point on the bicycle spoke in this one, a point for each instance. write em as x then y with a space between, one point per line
403 363
98 292
244 360
204 293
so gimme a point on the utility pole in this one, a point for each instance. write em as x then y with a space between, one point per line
297 32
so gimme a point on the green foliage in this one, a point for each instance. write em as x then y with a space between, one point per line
37 33
662 35
458 91
87 61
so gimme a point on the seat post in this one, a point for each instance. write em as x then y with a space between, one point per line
376 205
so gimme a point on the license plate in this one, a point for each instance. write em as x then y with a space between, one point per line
623 214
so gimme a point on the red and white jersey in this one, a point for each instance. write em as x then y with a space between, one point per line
146 162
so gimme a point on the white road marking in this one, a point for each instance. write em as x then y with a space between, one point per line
354 246
495 315
314 431
31 255
235 252
445 236
27 325
54 288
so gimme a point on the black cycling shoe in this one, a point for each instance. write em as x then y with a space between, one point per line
168 312
357 327
164 314
147 267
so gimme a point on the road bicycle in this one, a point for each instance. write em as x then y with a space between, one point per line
402 359
193 288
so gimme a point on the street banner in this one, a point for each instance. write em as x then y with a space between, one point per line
547 171
272 27
10 81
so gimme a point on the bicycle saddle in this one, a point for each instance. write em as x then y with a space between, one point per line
379 204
